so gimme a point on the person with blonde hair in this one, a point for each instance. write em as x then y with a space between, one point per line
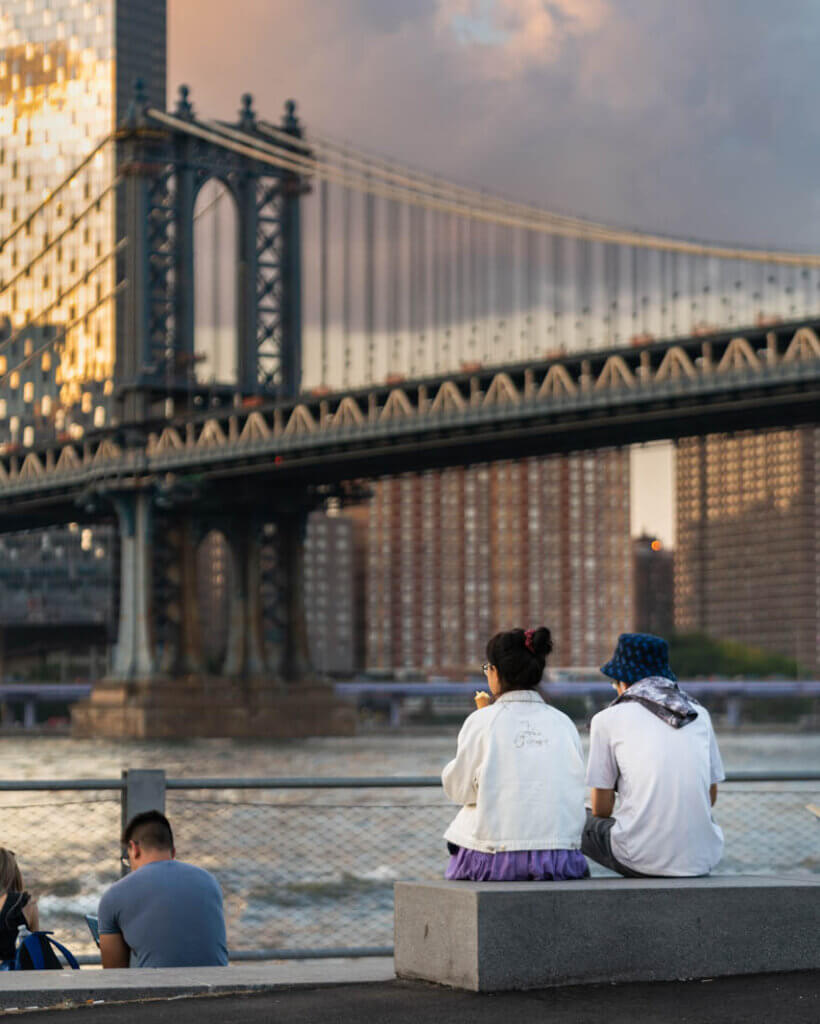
18 907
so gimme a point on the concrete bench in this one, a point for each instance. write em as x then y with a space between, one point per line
491 936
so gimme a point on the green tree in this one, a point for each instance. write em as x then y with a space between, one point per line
696 654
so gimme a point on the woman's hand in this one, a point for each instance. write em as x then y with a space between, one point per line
482 699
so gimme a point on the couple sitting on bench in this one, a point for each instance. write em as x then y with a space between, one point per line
519 773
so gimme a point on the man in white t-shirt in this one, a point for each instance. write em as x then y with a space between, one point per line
655 748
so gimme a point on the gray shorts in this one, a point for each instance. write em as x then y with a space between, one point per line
596 845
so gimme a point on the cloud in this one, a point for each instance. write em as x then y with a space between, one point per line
689 118
507 38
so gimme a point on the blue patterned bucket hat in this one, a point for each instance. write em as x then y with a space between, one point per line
637 656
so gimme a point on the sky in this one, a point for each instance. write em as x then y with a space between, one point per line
688 118
694 119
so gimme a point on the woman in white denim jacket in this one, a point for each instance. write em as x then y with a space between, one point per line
519 773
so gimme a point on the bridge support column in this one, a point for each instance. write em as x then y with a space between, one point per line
177 604
274 680
245 650
170 695
134 654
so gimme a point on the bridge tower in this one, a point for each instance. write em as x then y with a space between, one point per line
160 685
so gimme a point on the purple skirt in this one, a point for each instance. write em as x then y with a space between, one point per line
517 866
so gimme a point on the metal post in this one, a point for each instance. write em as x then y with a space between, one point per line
734 708
144 790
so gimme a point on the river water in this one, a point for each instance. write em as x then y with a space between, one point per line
413 751
314 868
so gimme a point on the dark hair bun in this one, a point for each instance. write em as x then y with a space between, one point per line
541 643
520 656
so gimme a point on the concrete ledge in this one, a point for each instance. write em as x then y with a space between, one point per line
487 936
24 989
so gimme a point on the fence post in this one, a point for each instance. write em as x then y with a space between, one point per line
144 790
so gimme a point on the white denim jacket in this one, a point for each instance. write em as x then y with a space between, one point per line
519 772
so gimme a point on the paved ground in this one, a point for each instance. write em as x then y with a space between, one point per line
757 999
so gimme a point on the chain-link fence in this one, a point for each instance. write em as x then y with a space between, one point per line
67 846
308 868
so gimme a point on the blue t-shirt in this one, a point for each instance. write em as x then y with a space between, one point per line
169 914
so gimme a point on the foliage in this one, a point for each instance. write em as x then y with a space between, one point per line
694 655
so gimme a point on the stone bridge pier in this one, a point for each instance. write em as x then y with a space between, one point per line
161 684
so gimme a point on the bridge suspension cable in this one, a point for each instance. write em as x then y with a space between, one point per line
76 221
365 173
81 280
61 334
424 182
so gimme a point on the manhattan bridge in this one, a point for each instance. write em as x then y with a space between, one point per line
292 317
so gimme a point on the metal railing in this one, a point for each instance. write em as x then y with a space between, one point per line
307 865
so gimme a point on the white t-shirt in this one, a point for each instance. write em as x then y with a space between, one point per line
663 817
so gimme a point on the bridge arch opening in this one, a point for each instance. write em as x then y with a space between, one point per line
216 286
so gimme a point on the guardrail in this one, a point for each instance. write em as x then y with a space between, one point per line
394 695
32 694
307 865
733 691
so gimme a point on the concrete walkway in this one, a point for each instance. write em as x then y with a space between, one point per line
24 989
763 999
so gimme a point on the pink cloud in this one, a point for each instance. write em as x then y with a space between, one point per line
505 38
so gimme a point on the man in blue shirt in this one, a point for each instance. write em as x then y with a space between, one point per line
165 913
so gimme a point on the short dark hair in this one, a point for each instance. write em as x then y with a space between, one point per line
150 829
520 663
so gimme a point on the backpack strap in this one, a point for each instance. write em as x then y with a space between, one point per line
70 959
35 951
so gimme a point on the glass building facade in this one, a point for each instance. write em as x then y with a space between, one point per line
66 77
67 70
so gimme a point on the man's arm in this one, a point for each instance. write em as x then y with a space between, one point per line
713 794
114 951
603 802
602 770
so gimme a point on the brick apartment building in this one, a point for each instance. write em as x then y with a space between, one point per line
455 555
748 540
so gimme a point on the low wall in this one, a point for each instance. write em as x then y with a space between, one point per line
487 936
